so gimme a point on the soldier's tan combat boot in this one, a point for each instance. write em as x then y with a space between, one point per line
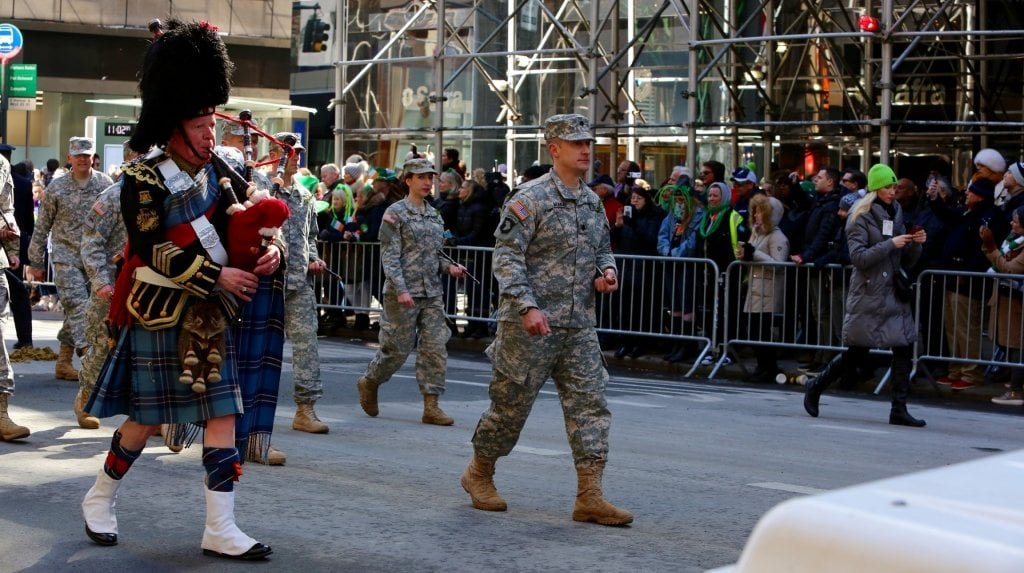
85 421
64 369
307 421
368 395
433 414
8 429
591 506
478 481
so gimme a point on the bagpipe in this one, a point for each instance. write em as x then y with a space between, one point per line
255 223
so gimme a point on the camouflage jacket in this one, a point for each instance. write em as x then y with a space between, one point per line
551 244
10 246
410 238
103 238
300 231
61 215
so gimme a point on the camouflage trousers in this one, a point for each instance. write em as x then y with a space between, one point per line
73 287
522 364
398 329
300 325
6 374
96 334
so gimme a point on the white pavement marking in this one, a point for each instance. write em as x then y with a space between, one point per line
787 487
849 429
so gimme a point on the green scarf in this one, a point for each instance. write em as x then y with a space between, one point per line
706 229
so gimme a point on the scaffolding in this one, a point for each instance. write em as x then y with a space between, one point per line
794 84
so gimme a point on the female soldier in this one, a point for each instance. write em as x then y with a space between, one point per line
879 248
411 236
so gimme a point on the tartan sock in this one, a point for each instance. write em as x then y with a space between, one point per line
119 460
223 468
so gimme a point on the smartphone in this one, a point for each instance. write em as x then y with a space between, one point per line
915 229
627 211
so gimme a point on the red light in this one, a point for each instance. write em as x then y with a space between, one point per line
868 24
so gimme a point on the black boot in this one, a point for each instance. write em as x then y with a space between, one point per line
816 386
898 415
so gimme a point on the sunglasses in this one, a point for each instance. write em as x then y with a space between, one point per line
846 181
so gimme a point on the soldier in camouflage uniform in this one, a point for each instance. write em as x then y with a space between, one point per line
300 322
103 241
68 200
411 236
552 252
9 234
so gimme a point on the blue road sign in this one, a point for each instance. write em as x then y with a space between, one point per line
10 41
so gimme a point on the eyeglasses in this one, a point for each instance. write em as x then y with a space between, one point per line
846 181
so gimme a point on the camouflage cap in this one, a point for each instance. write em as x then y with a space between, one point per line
81 146
417 166
234 128
292 139
567 127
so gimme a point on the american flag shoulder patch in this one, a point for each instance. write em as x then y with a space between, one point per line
518 209
99 208
389 218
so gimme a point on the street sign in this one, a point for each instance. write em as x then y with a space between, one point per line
23 81
10 42
21 103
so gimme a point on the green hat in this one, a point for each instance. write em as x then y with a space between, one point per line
880 176
308 181
807 186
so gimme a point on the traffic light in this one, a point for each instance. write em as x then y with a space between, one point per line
314 35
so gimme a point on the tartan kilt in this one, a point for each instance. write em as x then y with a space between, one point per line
140 379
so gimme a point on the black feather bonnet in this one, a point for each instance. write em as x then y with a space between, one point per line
186 73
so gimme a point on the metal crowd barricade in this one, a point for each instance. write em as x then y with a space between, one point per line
664 298
355 278
809 308
955 312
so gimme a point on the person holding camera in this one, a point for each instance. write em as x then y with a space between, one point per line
876 317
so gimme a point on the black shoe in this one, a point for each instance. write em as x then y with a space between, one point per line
258 551
812 394
19 345
636 352
104 539
900 417
621 352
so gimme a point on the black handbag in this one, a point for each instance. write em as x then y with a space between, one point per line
903 287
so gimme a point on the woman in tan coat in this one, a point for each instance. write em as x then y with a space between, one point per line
1006 317
767 285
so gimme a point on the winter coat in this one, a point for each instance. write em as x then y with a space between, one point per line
472 224
875 318
685 245
821 226
766 290
639 234
1006 313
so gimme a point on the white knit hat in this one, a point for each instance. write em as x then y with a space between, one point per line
1017 170
992 159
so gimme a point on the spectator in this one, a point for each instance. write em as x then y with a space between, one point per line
766 286
1013 185
626 174
854 181
337 224
744 186
450 161
473 229
637 228
1006 314
677 238
822 225
718 236
964 295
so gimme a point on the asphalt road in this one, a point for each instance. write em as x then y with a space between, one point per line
697 462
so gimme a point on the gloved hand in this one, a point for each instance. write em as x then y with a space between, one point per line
748 252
